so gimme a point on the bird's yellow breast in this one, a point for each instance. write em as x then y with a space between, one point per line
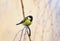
27 22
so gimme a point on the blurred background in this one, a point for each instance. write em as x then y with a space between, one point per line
46 19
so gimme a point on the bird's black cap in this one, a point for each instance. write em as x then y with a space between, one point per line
30 17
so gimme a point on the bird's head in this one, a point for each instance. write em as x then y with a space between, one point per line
30 17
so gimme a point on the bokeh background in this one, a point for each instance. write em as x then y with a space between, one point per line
46 19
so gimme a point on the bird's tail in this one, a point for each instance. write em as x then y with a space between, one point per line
18 23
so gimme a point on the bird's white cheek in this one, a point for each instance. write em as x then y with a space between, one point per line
29 18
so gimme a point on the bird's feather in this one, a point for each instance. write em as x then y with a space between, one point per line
21 22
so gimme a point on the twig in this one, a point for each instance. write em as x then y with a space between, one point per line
29 38
21 35
18 33
22 8
26 30
29 33
25 34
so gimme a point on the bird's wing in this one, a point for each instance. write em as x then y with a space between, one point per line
21 22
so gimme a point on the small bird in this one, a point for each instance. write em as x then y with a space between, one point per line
26 21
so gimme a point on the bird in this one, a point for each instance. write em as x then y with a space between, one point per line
26 21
